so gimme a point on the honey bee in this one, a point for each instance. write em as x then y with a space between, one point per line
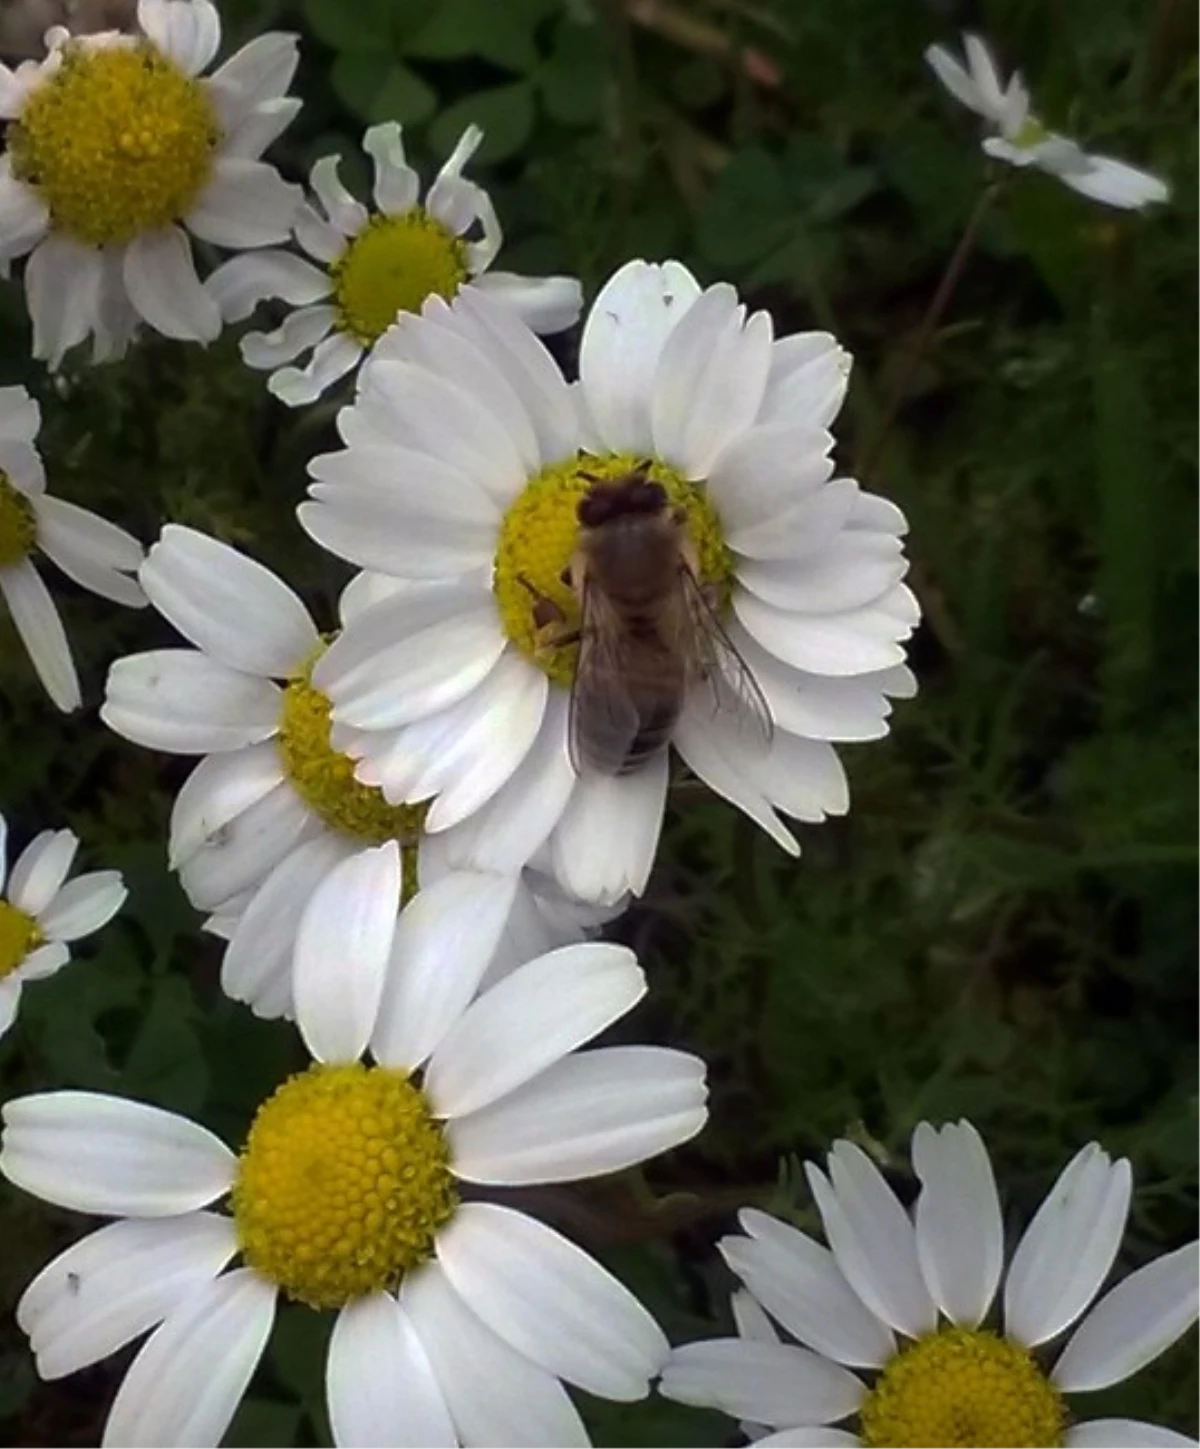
648 632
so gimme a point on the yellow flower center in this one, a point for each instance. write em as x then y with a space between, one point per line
117 142
19 935
1031 133
342 1185
963 1386
18 524
390 267
540 533
324 777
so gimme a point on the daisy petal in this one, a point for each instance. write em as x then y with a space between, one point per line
188 31
24 219
63 283
186 1383
397 185
241 283
552 1302
84 905
161 281
40 870
347 214
218 790
1116 183
859 641
1121 1433
43 962
770 1383
544 304
245 204
954 77
604 844
113 1285
261 71
807 382
95 553
99 1154
590 1113
332 358
10 1000
816 1436
36 620
251 136
298 331
960 1235
182 701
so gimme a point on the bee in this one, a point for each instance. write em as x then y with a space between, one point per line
648 631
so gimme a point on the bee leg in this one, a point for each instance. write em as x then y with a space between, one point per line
549 619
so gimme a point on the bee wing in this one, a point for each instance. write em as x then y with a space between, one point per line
604 719
716 667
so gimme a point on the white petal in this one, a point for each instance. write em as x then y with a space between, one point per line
711 751
84 905
63 280
42 962
245 204
248 849
106 1155
298 331
812 1436
332 358
765 471
770 1383
36 620
347 214
10 1000
343 944
188 31
552 1302
241 283
1132 1324
186 1383
1068 1248
445 938
24 219
1117 184
859 641
40 870
1122 1433
529 1021
20 414
218 790
397 185
228 605
954 77
591 1113
160 278
606 840
799 1283
261 71
95 553
251 136
182 701
960 1235
113 1285
379 1382
985 76
852 572
807 382
872 1240
749 1319
495 1395
544 304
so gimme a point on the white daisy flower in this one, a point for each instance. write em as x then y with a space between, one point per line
272 807
903 1299
117 149
95 553
41 911
374 265
1022 140
467 458
458 1321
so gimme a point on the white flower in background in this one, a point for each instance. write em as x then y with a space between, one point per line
1022 140
375 265
467 456
95 553
903 1299
273 808
117 150
457 1321
41 911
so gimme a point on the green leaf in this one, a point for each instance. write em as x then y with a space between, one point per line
574 77
363 26
503 34
357 77
403 97
742 219
263 1422
165 1063
505 113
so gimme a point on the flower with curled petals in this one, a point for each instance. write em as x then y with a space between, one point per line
906 1300
373 266
466 457
119 151
458 1322
41 911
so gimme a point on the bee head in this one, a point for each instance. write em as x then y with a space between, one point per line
632 495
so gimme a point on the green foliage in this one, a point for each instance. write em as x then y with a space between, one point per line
1004 926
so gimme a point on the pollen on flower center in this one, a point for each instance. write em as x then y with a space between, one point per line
392 266
342 1185
19 935
1031 133
540 533
117 142
324 777
18 524
960 1387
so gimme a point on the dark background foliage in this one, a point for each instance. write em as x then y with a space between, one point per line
1004 927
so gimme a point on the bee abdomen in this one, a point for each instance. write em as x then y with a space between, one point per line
653 735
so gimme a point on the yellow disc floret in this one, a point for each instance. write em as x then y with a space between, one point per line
963 1386
324 777
392 266
19 935
540 533
18 524
342 1185
117 142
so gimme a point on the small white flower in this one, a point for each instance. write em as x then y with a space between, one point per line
41 911
458 1322
117 149
903 1298
1022 140
467 457
376 265
95 553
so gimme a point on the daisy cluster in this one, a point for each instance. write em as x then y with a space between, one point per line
409 824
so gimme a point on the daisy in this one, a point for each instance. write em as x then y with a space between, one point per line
903 1299
42 911
458 1321
272 807
95 553
117 149
466 458
1022 140
374 265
